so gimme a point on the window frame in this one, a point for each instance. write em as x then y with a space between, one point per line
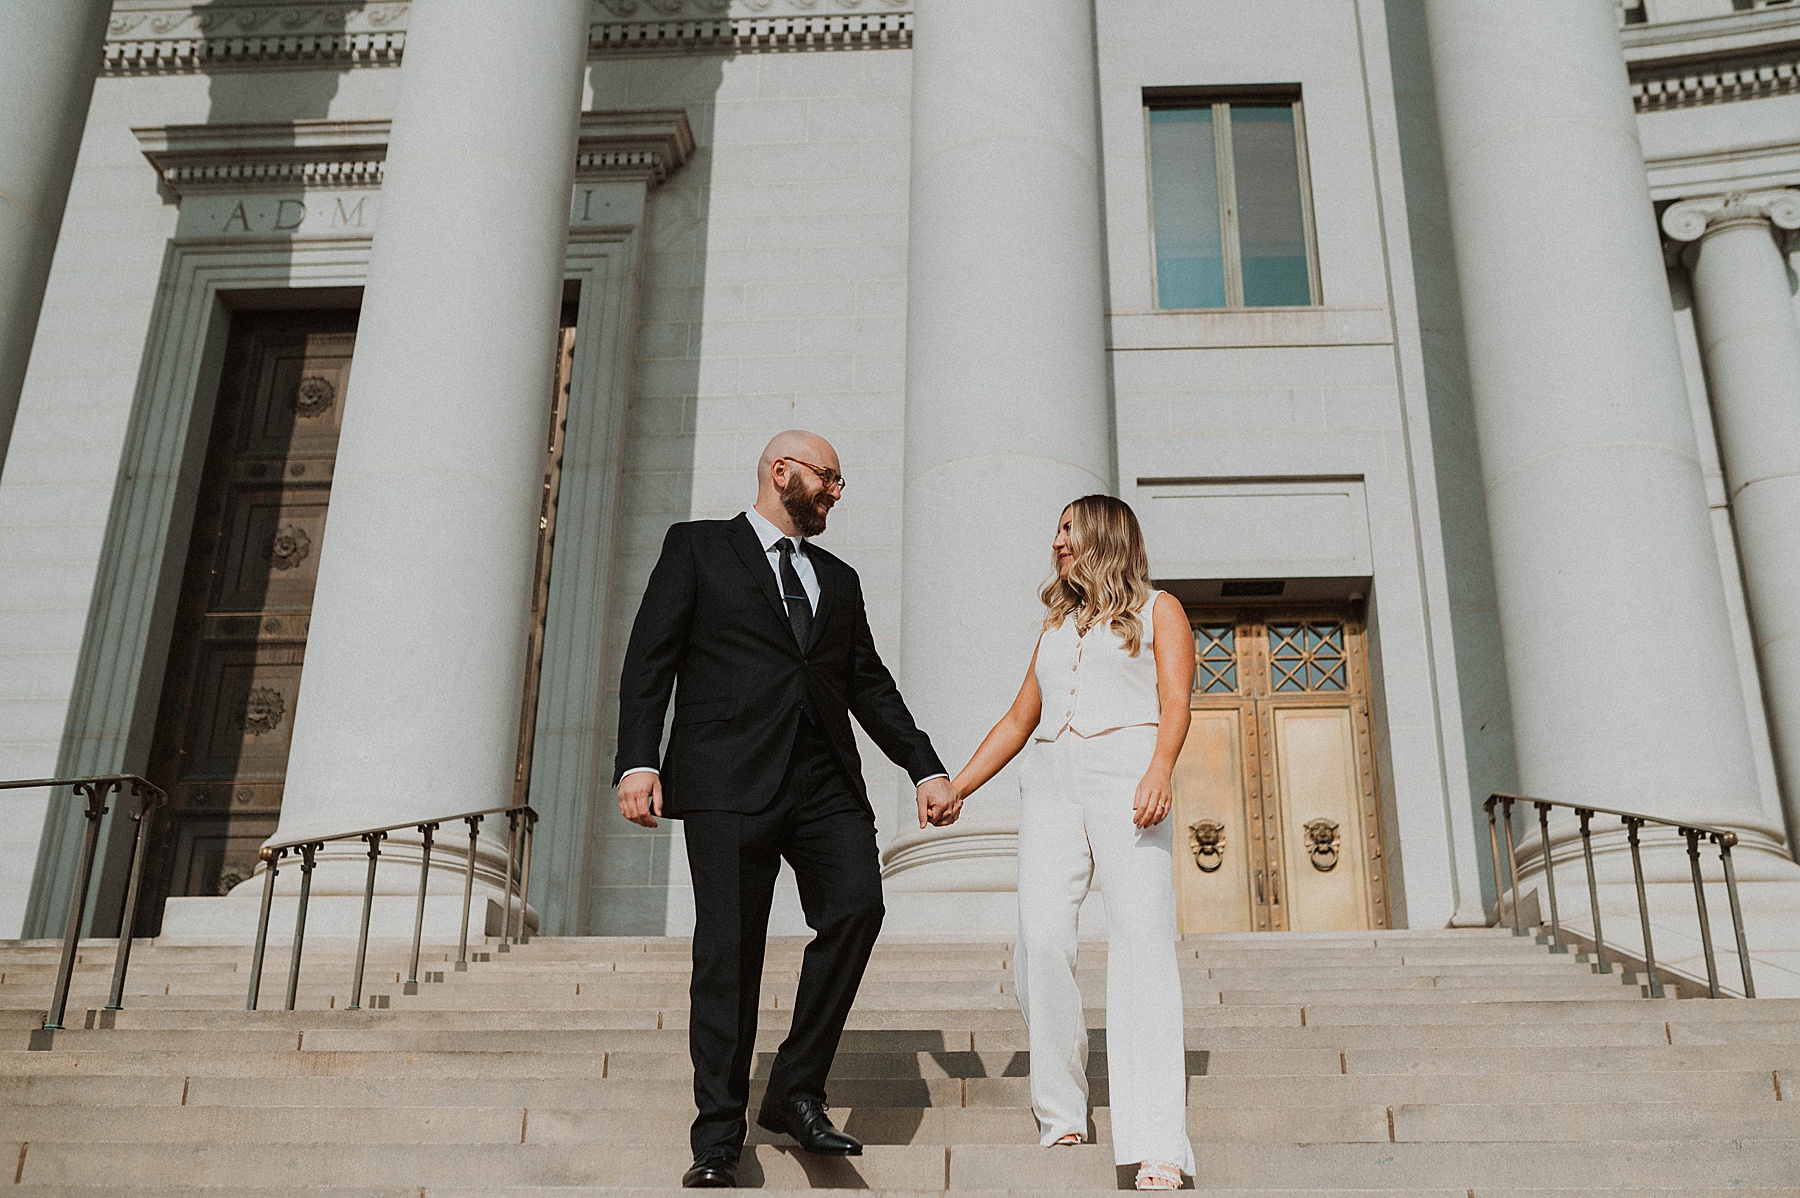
1221 100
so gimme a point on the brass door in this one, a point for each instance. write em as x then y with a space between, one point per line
233 675
227 710
1277 821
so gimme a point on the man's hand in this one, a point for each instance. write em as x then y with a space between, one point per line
939 804
640 797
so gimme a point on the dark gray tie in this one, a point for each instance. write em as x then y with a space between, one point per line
799 608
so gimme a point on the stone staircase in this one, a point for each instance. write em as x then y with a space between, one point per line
1449 1064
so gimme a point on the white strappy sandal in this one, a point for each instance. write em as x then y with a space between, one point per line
1068 1141
1158 1175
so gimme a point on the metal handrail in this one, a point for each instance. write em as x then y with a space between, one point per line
1634 822
96 791
521 823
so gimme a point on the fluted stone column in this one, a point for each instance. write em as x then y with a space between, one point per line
49 57
1618 650
409 702
1750 342
1007 410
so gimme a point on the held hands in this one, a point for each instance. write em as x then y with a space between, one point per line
640 798
1155 794
939 803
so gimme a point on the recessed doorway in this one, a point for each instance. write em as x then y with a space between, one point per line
232 682
1278 822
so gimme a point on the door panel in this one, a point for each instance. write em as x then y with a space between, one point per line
1212 881
1275 800
1315 767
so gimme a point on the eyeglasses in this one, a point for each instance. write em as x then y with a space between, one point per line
832 479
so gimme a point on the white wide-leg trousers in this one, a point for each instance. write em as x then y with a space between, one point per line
1074 828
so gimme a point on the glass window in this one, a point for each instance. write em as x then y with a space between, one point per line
1229 205
1190 247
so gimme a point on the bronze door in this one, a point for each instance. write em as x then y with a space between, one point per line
233 677
1277 818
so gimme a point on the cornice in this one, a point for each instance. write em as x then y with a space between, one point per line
261 157
172 37
645 145
650 144
1714 60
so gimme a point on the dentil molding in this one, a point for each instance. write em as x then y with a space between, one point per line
645 145
168 37
1777 209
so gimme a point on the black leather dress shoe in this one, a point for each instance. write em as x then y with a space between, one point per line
806 1121
711 1171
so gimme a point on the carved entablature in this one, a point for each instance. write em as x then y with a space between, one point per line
174 37
1745 55
1690 220
162 37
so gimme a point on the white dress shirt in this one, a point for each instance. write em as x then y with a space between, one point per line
769 535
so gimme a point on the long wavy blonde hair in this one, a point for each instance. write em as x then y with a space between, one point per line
1110 579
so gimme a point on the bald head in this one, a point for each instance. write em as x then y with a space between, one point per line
795 443
790 489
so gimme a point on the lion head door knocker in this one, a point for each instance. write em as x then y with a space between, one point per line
1322 844
1207 839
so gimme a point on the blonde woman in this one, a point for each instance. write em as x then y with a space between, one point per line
1101 718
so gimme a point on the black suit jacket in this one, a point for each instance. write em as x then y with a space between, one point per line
712 629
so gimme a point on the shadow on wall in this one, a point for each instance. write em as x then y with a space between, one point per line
624 890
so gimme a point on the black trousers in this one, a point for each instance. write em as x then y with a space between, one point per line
827 835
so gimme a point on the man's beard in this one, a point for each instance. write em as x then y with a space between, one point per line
803 509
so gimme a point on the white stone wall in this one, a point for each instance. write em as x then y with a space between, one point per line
774 296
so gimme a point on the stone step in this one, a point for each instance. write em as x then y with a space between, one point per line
360 1191
949 1050
667 1067
1621 1163
550 1124
1209 1092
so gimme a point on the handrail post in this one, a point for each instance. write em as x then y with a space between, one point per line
148 800
462 941
374 840
270 858
1587 852
1725 841
1712 966
1632 824
1512 863
1494 858
96 793
525 837
512 856
307 852
412 970
1556 944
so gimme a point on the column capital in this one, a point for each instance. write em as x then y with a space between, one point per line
1697 218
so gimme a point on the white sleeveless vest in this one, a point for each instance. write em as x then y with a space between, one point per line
1090 685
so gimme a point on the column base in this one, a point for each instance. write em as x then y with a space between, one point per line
1771 906
231 919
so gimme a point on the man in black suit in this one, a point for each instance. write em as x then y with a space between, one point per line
763 639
